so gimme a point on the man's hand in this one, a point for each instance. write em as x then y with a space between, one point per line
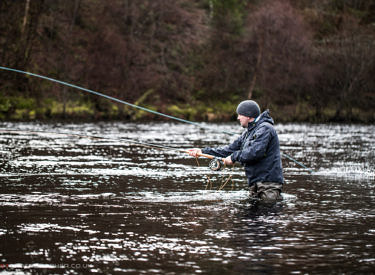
228 161
194 152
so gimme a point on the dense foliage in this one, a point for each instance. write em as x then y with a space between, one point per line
305 60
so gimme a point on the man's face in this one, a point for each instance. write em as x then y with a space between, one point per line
244 120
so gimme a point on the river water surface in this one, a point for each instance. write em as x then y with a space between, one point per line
75 204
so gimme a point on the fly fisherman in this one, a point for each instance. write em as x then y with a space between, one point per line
257 149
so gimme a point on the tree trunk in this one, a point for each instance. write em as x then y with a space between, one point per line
256 70
27 7
65 61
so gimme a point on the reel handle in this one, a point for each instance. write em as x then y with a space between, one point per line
216 164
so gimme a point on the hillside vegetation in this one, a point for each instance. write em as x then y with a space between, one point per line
195 59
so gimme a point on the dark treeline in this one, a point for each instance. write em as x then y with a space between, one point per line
305 60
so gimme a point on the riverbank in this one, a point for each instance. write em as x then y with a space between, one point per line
28 109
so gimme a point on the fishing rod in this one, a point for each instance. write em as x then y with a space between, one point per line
136 106
215 164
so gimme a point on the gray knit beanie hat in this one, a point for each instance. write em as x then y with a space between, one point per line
248 108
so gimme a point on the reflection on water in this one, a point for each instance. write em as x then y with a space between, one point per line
74 204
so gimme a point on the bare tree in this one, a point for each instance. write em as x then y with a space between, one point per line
349 58
27 7
282 42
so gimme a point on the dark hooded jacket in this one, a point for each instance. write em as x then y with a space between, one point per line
257 149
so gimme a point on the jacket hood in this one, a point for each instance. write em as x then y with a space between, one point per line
263 117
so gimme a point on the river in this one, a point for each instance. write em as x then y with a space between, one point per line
74 204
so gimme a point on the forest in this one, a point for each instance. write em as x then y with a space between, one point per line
306 61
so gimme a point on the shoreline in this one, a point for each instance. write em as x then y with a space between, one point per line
19 108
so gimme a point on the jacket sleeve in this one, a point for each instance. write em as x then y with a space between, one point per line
255 148
224 151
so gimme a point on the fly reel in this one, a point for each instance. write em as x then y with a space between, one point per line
216 164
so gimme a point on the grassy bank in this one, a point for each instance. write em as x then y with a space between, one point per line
27 109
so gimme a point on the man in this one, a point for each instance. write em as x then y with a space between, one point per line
257 149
